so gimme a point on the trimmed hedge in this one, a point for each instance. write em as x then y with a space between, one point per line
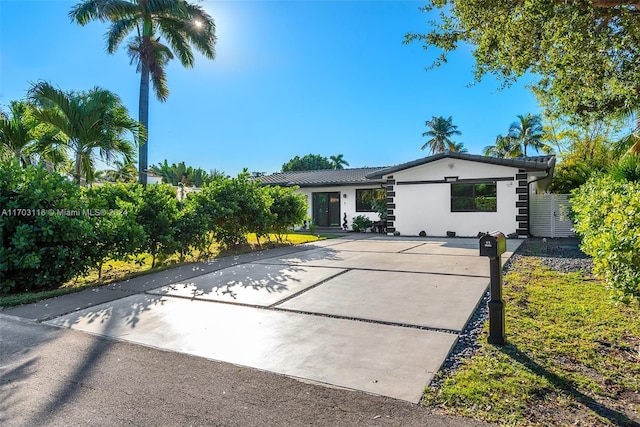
45 229
607 216
52 230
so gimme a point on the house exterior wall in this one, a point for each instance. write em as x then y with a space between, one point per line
415 205
347 204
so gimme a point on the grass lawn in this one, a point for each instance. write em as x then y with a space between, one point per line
572 357
114 271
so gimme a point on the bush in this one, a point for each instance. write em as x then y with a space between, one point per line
117 233
45 232
193 225
158 215
627 168
607 216
289 208
241 207
361 223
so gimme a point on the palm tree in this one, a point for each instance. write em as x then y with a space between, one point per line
338 162
440 130
89 123
505 147
125 171
528 131
22 137
459 147
180 23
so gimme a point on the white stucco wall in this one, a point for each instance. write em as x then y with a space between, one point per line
347 204
427 207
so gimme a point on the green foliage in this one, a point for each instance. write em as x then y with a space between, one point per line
585 148
361 223
125 171
89 124
45 236
181 173
552 39
117 234
241 207
377 198
338 162
24 137
627 168
440 132
607 217
288 209
310 162
569 176
158 215
527 131
192 227
504 147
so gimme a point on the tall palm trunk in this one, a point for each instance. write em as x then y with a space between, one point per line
78 169
143 110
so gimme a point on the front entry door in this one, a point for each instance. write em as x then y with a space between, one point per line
326 209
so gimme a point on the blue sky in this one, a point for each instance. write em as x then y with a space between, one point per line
290 78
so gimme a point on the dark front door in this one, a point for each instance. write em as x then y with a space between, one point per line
326 209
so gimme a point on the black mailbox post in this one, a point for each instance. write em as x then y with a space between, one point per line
493 245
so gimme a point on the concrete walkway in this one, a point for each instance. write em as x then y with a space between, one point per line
366 312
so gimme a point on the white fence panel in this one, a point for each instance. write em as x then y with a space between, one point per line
549 215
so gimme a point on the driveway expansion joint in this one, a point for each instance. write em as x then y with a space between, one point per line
283 300
274 307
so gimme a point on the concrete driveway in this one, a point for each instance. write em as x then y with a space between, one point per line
366 312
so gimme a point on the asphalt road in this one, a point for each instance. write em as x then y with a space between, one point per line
60 377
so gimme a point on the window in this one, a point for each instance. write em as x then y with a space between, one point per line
477 197
365 199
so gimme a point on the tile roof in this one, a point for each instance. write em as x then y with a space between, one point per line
321 177
527 163
374 175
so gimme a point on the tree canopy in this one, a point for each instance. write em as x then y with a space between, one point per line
585 52
310 162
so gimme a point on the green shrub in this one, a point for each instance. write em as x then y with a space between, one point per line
289 208
158 215
44 228
607 216
193 225
241 207
627 168
361 223
117 233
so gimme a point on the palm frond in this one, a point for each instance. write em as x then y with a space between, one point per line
118 31
103 10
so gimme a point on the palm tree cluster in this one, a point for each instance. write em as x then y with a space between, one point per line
187 175
56 129
526 132
181 25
